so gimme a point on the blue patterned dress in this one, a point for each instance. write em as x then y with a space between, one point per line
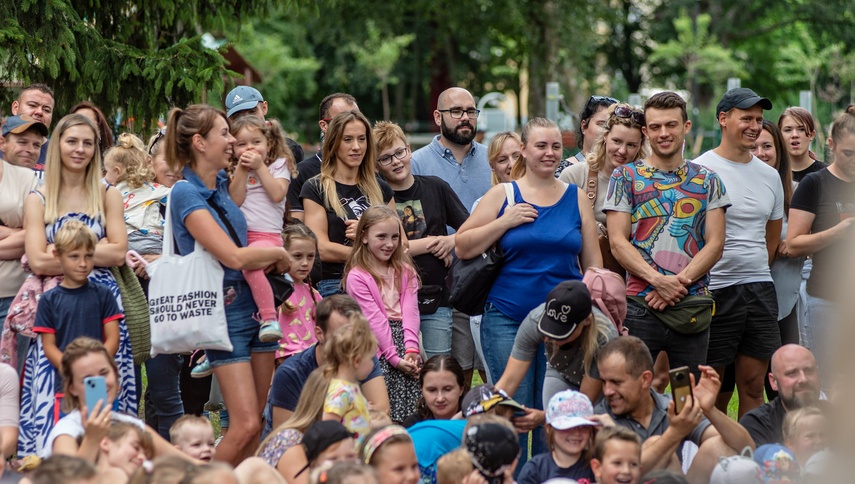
37 395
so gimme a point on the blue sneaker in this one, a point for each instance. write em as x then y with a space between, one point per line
202 369
270 331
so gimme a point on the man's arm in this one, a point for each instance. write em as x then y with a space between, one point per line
11 243
656 452
734 435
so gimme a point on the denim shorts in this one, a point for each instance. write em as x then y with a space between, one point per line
243 328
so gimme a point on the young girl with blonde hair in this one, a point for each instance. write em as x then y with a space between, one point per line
379 275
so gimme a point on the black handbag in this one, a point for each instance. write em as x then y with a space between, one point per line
469 281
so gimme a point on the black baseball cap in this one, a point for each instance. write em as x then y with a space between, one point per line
491 447
320 436
742 98
567 305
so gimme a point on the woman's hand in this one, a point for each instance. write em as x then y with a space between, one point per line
283 265
350 229
521 213
98 424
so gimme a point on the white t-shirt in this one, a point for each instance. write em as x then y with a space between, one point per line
262 215
15 183
72 425
757 196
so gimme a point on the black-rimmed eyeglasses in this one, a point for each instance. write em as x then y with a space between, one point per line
387 160
458 113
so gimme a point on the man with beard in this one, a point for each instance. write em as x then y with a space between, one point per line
453 155
456 158
36 100
796 379
666 226
745 329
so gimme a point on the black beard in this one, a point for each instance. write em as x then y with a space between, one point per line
454 136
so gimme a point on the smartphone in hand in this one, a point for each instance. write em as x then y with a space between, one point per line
681 387
95 388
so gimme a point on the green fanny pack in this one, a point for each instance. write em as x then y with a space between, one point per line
692 315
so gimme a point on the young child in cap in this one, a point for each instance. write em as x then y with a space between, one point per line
493 449
617 456
570 436
327 441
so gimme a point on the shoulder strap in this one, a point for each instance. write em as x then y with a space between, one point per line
41 196
509 193
591 186
225 219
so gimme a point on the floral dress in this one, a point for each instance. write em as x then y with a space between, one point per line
39 411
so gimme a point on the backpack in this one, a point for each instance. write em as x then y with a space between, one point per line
608 294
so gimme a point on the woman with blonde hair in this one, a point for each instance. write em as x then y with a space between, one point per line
347 185
72 191
502 154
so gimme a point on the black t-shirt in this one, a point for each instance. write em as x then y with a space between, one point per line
831 200
765 423
542 468
426 208
815 166
296 149
354 203
306 170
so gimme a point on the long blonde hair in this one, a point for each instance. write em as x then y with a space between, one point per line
360 256
596 159
310 406
495 149
129 155
588 340
366 180
53 172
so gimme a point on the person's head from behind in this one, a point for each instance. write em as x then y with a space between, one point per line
393 152
35 100
310 406
502 154
351 349
263 137
64 469
541 148
126 446
172 469
378 241
391 453
842 143
626 370
567 318
245 101
74 248
82 358
568 428
493 450
453 467
93 112
344 473
443 384
333 105
326 442
592 117
194 436
795 376
24 137
332 313
620 140
156 159
798 129
740 116
126 162
805 432
488 399
198 134
666 123
617 456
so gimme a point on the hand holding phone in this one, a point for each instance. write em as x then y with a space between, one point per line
95 390
681 387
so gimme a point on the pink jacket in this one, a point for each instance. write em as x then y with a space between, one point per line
362 287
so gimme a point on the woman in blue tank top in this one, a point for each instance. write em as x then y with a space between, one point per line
546 239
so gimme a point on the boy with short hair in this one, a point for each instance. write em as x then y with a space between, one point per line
617 456
194 436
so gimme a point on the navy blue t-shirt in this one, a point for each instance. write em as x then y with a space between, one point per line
290 377
542 467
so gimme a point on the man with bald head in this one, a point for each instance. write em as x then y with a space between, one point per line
796 379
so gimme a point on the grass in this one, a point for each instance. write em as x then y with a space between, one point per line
213 416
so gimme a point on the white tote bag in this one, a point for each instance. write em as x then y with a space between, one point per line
185 298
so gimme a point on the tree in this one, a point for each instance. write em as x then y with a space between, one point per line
137 57
379 55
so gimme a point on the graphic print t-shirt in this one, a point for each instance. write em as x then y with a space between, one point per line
354 203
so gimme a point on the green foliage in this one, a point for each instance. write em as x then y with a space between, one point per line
139 58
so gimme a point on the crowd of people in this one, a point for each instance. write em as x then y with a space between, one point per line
619 264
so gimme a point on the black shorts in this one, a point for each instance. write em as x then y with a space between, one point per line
745 322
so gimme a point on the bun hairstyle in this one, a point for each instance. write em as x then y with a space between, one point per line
519 168
129 155
844 124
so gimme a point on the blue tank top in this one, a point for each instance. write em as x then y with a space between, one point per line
538 255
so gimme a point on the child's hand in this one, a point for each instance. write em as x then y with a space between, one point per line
407 366
251 160
415 360
442 246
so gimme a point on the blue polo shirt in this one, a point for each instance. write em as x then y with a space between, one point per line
470 180
191 194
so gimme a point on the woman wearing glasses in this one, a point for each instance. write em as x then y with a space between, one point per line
347 185
548 236
620 142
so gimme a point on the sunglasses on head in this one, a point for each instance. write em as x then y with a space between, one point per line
635 116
